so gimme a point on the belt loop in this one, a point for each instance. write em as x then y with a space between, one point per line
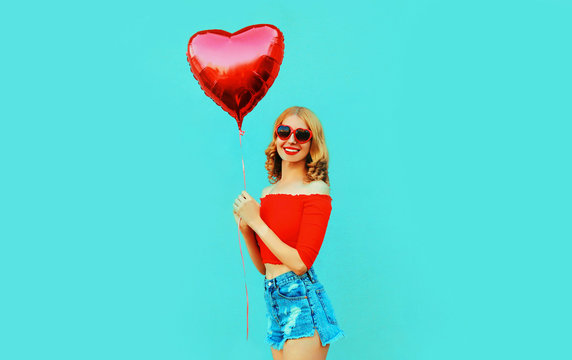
309 272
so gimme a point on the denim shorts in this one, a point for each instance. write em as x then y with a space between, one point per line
295 306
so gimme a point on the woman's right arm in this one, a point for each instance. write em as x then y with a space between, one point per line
250 240
253 249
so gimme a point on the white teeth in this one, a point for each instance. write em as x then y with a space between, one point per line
291 151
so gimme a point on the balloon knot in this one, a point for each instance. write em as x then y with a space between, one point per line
241 132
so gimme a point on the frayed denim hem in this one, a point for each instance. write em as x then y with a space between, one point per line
340 335
280 345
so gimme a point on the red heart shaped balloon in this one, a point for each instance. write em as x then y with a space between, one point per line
236 70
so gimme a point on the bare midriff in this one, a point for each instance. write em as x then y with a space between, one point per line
273 270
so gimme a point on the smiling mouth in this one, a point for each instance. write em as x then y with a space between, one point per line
291 151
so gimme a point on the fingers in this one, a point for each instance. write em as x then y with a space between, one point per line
240 199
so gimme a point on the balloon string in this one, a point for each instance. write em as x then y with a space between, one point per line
241 132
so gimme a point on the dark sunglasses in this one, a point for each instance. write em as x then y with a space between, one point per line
301 135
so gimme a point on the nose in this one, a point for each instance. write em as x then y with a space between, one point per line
292 138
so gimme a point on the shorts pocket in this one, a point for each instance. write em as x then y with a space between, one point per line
327 305
270 309
293 290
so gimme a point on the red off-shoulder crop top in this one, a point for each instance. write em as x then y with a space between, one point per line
299 220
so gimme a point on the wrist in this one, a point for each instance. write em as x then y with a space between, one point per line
258 226
243 226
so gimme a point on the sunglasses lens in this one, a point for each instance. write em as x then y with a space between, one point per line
302 135
283 132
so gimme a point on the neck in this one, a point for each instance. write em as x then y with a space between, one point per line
293 172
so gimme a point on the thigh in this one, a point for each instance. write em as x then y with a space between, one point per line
307 348
277 354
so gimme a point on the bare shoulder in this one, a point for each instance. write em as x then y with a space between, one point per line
266 190
318 187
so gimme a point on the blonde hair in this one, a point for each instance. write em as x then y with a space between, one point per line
317 159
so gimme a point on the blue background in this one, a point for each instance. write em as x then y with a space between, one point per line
448 126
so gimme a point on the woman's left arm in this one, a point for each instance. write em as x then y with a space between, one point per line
249 210
288 255
315 216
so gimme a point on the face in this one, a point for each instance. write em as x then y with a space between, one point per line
283 145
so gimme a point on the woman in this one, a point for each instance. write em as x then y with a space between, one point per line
284 235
